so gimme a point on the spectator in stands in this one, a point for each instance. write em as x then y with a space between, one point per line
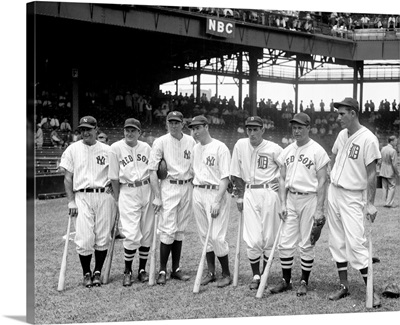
76 136
65 126
46 124
342 30
128 102
378 22
54 122
372 105
148 112
56 140
322 106
68 139
308 26
314 130
394 105
364 21
39 136
301 106
391 22
102 137
366 106
332 108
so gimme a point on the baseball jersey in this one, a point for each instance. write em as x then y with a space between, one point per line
211 164
302 164
352 156
389 162
89 164
255 165
129 164
177 154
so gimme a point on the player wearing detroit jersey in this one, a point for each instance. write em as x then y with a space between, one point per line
130 180
85 164
255 173
173 195
303 184
352 190
211 162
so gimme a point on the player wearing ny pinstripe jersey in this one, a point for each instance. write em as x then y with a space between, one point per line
211 162
254 162
85 164
173 195
130 180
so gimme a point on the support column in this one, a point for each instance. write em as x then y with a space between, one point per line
75 98
198 83
240 70
296 89
253 65
361 70
355 80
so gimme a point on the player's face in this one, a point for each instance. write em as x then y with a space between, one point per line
255 134
300 133
345 117
199 132
175 128
88 135
131 135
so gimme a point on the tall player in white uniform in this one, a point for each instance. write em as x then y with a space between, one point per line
254 162
303 186
88 189
211 162
351 192
173 195
130 179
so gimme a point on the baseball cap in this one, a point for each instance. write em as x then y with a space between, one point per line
349 102
301 118
175 116
102 135
133 123
198 120
87 122
254 121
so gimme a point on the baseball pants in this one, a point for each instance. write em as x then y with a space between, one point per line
346 226
94 221
202 200
389 188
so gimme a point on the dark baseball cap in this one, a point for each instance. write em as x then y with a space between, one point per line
87 122
132 122
198 120
175 116
348 102
301 118
254 121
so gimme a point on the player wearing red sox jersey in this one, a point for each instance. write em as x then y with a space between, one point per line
254 162
211 162
85 163
352 190
173 195
302 190
130 180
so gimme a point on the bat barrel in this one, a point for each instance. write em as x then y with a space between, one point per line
63 270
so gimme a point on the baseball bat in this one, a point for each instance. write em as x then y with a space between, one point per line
152 271
237 253
264 276
370 278
197 282
108 262
63 270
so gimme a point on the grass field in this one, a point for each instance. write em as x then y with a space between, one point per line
175 300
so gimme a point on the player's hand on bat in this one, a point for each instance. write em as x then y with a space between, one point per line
274 186
157 203
72 209
239 203
283 213
371 212
214 209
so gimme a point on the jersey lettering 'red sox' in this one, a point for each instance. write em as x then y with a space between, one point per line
307 162
129 159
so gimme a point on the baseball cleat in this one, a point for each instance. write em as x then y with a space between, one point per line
143 276
376 301
343 292
87 280
210 277
162 279
178 275
282 287
127 282
302 290
255 283
96 279
224 281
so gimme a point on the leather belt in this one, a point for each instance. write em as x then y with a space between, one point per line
208 187
298 193
92 190
257 186
138 183
180 182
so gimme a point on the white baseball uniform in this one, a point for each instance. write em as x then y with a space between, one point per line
347 196
177 188
96 207
211 163
129 165
301 182
258 166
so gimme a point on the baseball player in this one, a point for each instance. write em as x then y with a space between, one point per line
85 164
351 192
173 195
211 162
388 171
303 185
130 180
255 171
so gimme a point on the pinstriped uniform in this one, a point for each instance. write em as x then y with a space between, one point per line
89 166
211 163
260 206
129 165
176 198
